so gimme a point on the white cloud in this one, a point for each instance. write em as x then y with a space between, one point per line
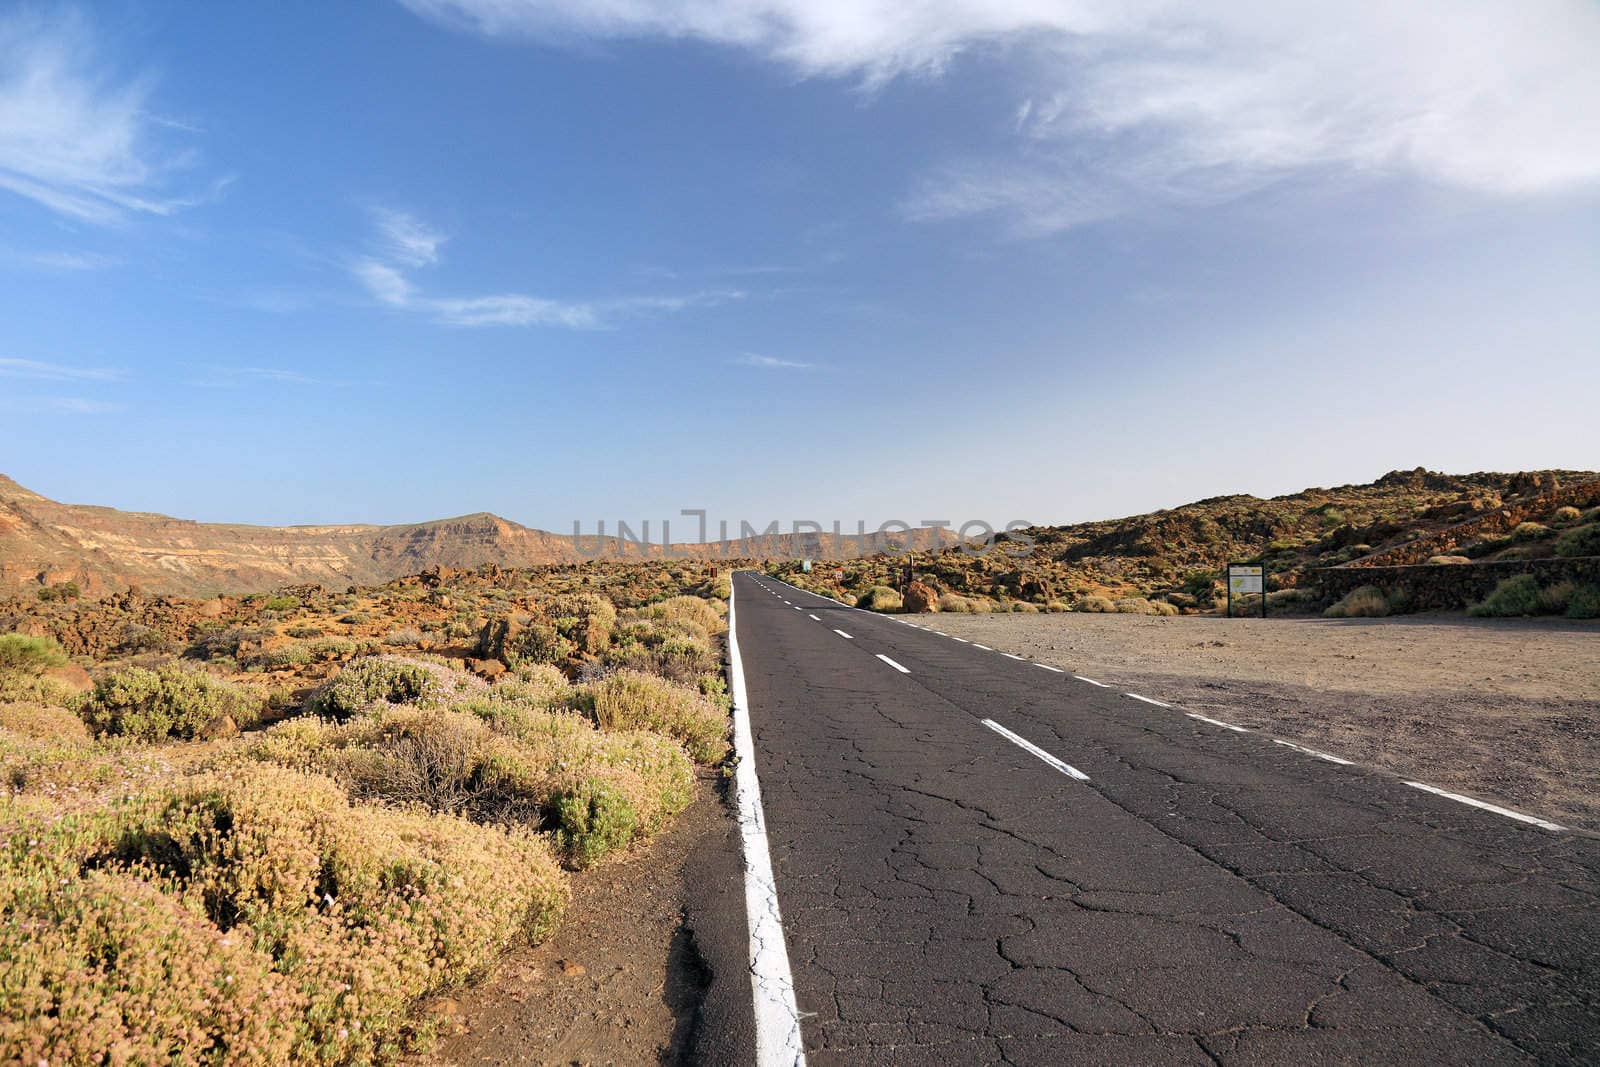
74 260
11 367
78 405
405 243
751 359
72 137
1124 102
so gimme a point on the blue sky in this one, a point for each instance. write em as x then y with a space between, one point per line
789 260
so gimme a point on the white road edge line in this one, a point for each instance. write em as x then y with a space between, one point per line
963 640
1217 722
1028 746
1008 655
844 635
1313 752
1147 700
1091 681
778 1041
1507 812
986 648
892 663
1047 667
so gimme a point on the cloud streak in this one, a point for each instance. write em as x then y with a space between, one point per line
405 243
73 138
1125 103
751 359
37 370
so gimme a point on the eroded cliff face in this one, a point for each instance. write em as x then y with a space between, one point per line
45 543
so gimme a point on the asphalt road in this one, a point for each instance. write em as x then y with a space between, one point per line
1139 886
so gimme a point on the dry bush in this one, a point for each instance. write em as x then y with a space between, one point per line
43 721
721 587
1094 604
692 613
1133 605
1364 602
254 917
1022 607
880 598
585 619
1437 561
630 700
1529 531
1162 607
404 636
1564 516
1057 606
171 701
375 681
1553 599
955 603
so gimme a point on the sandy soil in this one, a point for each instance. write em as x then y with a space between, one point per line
621 980
1504 710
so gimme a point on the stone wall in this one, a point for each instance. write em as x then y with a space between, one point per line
1449 587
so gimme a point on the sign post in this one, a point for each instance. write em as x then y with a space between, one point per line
1246 578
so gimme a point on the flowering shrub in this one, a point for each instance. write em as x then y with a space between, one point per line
379 680
251 916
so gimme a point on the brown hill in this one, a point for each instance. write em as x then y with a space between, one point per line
45 543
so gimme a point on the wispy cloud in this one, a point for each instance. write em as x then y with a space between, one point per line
74 137
751 359
12 367
77 405
405 243
75 261
243 377
1123 104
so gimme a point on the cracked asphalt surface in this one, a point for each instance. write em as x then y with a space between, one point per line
1206 896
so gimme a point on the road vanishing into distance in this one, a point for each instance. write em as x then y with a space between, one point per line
984 859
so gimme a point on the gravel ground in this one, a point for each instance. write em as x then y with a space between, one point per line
1504 710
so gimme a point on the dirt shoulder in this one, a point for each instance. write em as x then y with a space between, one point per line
1505 710
622 981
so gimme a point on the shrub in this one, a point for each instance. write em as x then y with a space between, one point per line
43 721
1565 516
1023 607
1162 607
1553 599
1584 603
1580 541
1094 604
1529 531
1363 602
281 603
215 644
880 598
1447 560
1133 605
293 654
170 701
721 587
1512 597
303 632
254 917
60 591
953 602
29 655
378 680
1056 606
630 700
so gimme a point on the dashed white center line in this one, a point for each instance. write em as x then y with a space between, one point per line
892 663
1028 746
1091 681
1047 667
1216 722
1312 752
1147 700
1507 812
812 617
844 635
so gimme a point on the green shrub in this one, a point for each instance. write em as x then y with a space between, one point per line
303 632
1580 541
629 700
60 591
29 655
1363 602
281 603
1565 516
1584 603
171 701
1529 531
1512 597
880 598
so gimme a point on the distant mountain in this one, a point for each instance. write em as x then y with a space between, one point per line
45 543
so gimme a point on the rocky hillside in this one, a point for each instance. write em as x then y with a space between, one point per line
92 551
1415 516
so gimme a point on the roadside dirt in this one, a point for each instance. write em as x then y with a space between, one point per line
1503 710
620 983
